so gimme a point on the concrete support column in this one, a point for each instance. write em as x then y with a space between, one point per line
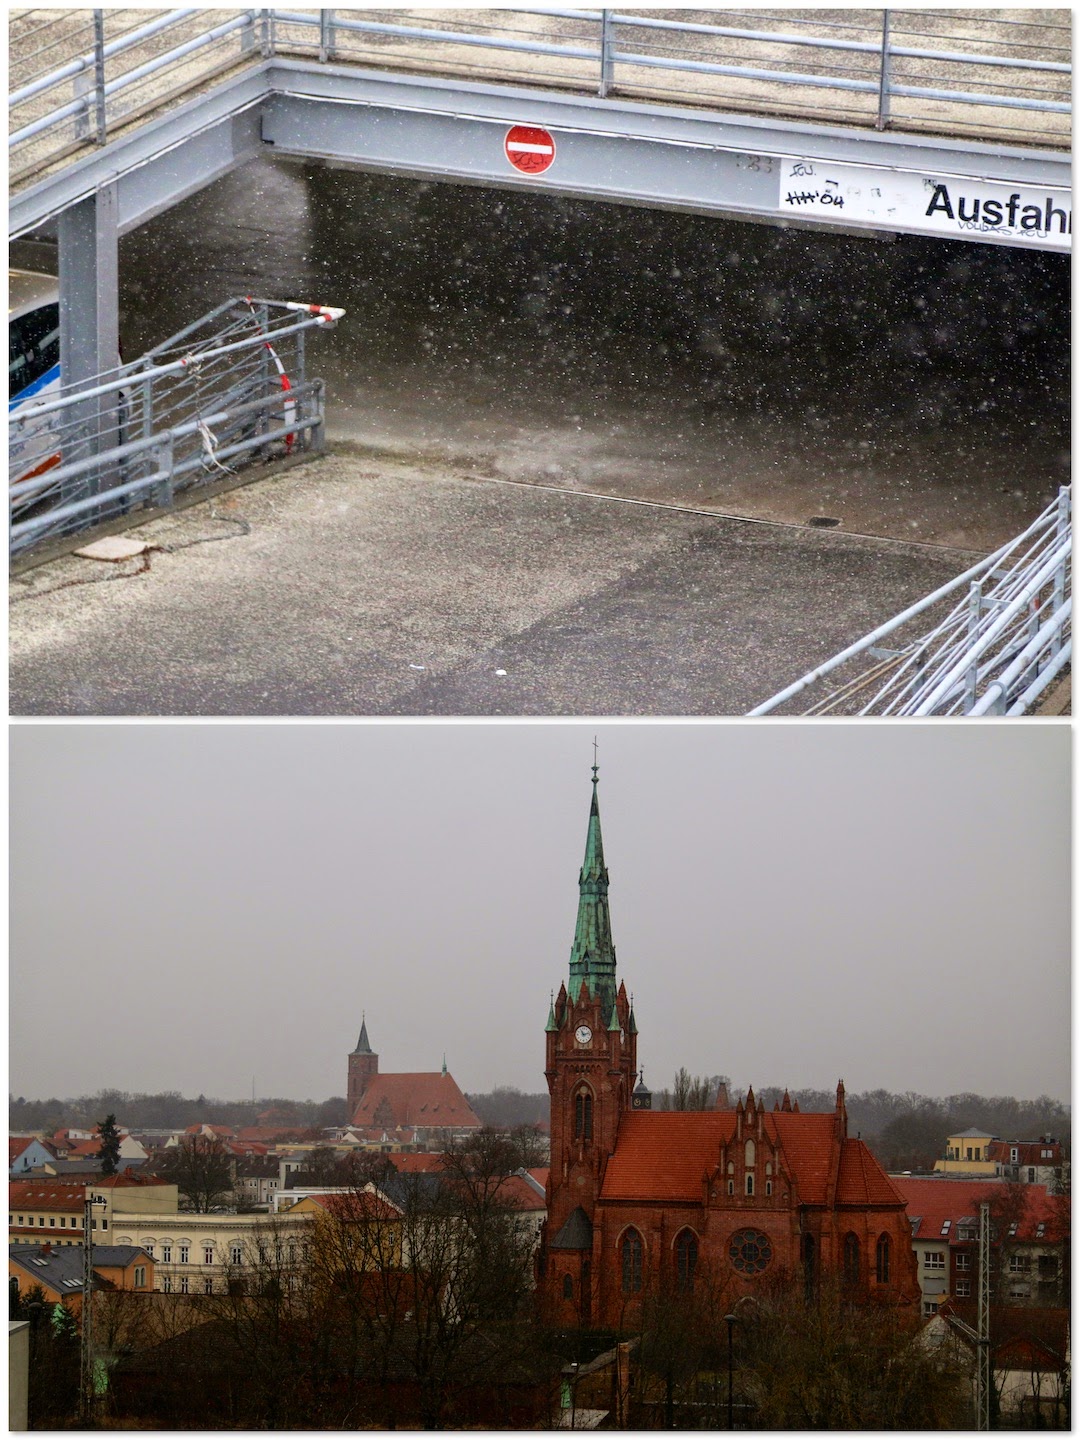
89 316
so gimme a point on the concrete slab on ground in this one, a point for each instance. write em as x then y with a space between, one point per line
350 572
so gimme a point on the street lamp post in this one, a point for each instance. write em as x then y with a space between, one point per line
730 1319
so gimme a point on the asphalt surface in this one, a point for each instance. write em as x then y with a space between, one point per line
359 586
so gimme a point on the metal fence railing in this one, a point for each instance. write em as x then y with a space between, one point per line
78 75
1000 634
231 388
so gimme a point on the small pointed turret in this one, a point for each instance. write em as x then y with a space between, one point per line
551 1025
722 1101
786 1106
444 1062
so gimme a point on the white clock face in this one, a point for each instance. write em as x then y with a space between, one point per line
583 1034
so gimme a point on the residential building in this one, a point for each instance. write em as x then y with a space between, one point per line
1029 1239
640 1199
28 1153
1030 1162
58 1270
201 1254
52 1208
967 1153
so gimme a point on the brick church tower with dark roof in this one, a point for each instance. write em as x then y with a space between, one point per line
363 1067
641 1200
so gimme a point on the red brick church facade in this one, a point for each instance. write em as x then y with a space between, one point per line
640 1201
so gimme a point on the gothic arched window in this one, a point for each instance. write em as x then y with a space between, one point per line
851 1259
567 1288
686 1253
631 1262
749 1184
583 1115
883 1260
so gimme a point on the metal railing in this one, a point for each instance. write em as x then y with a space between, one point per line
994 651
232 387
79 75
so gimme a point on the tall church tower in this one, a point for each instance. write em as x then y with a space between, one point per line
591 1067
363 1067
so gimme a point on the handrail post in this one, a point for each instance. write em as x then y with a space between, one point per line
886 77
1062 521
326 35
267 37
971 679
163 458
607 54
99 75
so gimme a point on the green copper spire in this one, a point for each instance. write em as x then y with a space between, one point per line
592 955
551 1025
363 1045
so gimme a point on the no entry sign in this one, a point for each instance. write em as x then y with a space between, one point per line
529 149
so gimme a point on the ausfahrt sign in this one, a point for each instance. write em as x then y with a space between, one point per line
529 149
963 209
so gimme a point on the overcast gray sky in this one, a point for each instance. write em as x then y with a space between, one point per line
194 905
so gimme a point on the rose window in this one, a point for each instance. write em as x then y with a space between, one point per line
750 1251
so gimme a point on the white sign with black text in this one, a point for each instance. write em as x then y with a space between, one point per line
963 209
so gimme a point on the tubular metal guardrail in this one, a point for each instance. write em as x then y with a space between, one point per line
995 652
77 75
231 387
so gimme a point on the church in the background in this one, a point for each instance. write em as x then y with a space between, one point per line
415 1109
644 1202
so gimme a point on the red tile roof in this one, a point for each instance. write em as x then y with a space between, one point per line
1028 1152
936 1201
16 1148
45 1195
862 1180
663 1155
424 1099
357 1205
415 1164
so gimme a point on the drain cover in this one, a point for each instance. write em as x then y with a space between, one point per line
823 522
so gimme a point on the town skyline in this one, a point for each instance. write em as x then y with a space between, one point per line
426 877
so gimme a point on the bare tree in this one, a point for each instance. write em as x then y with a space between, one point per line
202 1170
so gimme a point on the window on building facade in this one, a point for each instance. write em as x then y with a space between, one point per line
1031 1175
963 1288
883 1260
750 1251
166 1284
148 1248
236 1253
749 1184
184 1285
631 1262
686 1255
731 1187
929 1307
208 1254
583 1107
140 1276
52 1222
768 1187
934 1260
1019 1264
208 1285
185 1253
963 1262
166 1254
851 1259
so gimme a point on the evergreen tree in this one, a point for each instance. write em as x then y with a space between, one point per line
109 1148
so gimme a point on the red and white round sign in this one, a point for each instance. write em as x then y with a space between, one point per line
529 149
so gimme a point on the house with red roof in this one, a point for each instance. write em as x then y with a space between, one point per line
428 1102
1030 1228
1030 1162
642 1201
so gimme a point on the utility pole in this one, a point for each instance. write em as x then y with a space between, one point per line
86 1345
983 1380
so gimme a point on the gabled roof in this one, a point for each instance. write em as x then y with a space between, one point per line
422 1099
664 1154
